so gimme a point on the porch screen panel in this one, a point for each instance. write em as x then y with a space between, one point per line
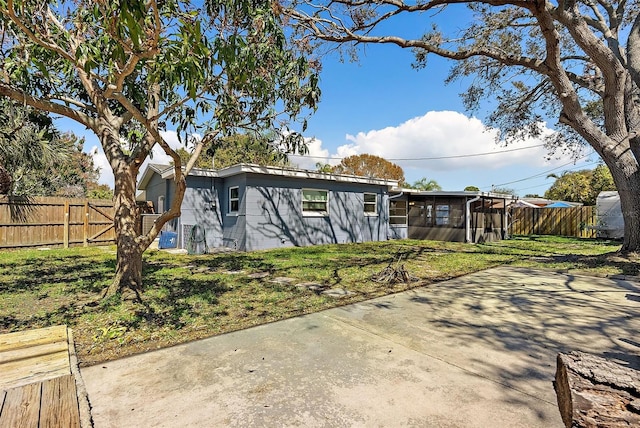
397 212
449 213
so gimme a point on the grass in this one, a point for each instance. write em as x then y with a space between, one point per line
191 297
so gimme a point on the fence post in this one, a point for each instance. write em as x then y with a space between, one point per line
65 238
85 229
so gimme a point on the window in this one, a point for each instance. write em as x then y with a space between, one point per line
449 213
370 204
234 199
315 201
442 215
397 212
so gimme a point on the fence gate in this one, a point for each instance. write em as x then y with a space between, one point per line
44 221
104 225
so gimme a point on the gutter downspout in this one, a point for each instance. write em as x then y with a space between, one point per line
468 218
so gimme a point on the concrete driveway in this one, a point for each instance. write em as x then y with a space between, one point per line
476 351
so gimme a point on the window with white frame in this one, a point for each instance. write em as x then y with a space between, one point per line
370 204
397 212
315 201
234 200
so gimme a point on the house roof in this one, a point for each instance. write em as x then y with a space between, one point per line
167 172
152 168
542 202
524 204
460 193
559 204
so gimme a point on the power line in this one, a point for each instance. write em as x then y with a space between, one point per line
433 158
544 173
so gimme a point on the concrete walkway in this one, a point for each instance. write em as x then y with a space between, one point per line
476 351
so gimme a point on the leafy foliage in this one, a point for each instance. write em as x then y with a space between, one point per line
425 184
99 191
323 167
504 191
240 148
581 186
366 165
38 159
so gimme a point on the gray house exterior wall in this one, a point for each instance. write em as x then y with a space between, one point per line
234 230
200 207
156 188
274 216
270 211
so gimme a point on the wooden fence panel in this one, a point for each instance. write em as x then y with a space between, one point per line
39 221
578 222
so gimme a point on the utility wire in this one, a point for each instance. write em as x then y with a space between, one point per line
435 157
544 173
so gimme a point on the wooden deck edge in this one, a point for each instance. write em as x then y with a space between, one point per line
83 397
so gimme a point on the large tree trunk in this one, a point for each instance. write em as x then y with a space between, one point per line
627 180
630 203
129 245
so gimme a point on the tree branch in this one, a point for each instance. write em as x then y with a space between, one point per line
50 46
345 35
45 105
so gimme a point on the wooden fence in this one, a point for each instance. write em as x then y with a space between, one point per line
38 221
578 222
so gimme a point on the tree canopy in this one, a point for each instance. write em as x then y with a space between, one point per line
504 191
130 70
366 165
581 186
576 63
425 184
38 160
239 148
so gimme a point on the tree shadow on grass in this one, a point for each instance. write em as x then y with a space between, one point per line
77 274
234 261
173 303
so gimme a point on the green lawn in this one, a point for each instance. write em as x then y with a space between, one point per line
190 297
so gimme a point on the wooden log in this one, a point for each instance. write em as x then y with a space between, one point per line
596 392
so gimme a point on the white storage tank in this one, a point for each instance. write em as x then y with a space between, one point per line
610 223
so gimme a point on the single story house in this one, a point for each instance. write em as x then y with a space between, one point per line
251 207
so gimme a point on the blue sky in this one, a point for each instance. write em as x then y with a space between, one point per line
382 106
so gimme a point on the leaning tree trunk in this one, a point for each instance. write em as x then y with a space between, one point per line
129 246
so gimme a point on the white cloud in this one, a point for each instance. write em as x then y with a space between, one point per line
104 169
315 154
446 135
443 134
